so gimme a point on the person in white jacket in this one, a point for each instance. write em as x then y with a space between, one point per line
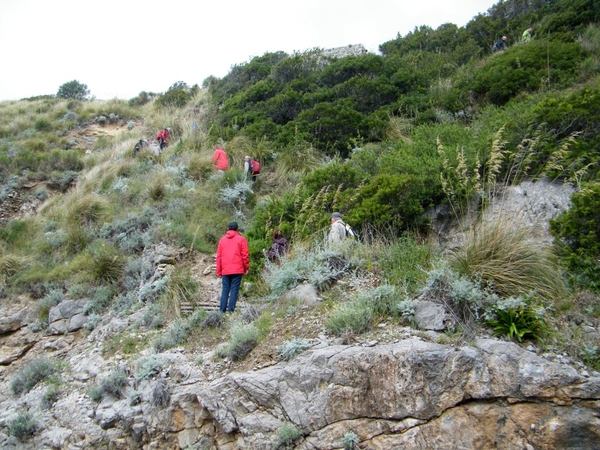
337 232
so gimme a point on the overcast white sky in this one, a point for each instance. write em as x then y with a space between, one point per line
122 47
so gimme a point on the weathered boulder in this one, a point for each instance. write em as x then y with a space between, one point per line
67 316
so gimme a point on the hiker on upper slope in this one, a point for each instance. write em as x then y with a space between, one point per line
251 167
526 37
163 137
219 158
499 46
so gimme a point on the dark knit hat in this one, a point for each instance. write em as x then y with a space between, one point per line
232 225
336 215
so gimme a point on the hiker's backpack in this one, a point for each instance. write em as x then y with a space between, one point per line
160 135
350 233
254 167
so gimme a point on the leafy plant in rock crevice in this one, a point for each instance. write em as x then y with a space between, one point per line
518 319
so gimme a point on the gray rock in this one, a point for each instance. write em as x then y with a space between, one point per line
432 316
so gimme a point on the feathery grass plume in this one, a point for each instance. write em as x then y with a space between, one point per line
501 254
555 165
493 164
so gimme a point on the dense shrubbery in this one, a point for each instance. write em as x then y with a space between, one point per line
577 233
540 65
177 96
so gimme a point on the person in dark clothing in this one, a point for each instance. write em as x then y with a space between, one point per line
279 247
500 45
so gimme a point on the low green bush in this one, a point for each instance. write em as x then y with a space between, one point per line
23 426
291 348
148 367
288 433
353 317
113 384
33 373
242 339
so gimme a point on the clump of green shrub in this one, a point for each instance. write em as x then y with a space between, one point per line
23 426
33 373
148 367
356 316
350 441
242 339
288 433
112 385
291 348
50 396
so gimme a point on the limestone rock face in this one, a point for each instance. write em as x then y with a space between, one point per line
411 394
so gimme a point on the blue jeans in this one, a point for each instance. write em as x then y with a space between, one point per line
231 287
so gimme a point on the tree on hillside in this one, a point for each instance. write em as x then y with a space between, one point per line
73 89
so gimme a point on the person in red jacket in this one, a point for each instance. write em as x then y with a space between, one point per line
219 158
163 137
233 262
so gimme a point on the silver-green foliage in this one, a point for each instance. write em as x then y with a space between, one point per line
23 426
350 441
242 339
468 299
293 347
112 385
288 433
356 315
318 265
176 334
148 367
36 371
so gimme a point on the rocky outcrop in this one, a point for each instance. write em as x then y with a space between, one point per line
411 394
408 394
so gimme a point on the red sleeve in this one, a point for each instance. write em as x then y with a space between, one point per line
245 255
219 266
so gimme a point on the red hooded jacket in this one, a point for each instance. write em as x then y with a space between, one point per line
219 157
232 254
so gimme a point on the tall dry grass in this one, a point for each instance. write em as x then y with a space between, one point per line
503 255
